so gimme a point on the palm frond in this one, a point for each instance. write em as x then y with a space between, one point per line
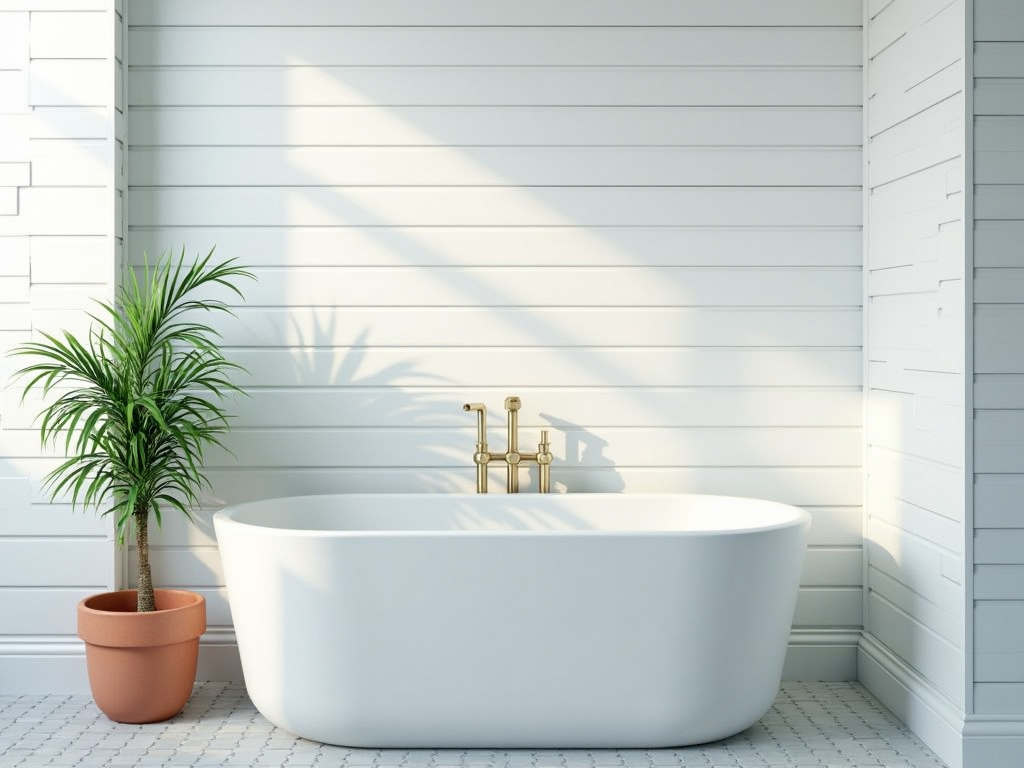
139 399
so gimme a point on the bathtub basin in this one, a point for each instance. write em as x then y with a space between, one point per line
532 621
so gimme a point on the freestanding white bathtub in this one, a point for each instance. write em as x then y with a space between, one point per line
579 620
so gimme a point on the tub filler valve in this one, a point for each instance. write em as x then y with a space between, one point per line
512 457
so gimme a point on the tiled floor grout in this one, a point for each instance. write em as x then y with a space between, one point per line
811 725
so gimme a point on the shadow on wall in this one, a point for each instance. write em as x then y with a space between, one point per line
585 468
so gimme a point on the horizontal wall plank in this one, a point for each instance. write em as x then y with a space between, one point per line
999 201
84 211
996 546
50 562
517 326
534 206
997 501
996 243
71 35
800 486
592 406
999 96
544 367
506 246
523 46
999 441
999 390
829 607
458 12
833 567
998 346
1001 668
999 582
999 698
947 621
617 446
998 20
999 285
76 163
999 134
491 166
69 83
911 561
464 86
467 126
999 626
36 611
551 287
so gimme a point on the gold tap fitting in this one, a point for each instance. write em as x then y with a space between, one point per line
512 456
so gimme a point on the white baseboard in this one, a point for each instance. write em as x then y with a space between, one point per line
936 720
821 654
961 741
41 665
57 665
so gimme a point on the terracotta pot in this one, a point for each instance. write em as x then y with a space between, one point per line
142 666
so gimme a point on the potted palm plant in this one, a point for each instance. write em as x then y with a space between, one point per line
133 405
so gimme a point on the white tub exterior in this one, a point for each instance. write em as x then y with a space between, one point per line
448 620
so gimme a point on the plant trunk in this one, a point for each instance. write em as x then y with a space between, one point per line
147 601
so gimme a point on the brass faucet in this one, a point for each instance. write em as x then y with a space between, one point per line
512 456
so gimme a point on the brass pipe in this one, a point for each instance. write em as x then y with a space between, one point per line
481 456
512 457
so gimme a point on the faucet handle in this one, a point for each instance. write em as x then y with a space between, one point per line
513 403
544 459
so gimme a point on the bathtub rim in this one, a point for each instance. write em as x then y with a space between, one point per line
796 517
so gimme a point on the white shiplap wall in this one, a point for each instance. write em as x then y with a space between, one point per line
643 218
914 648
999 359
58 61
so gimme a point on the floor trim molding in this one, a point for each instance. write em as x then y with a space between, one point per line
936 720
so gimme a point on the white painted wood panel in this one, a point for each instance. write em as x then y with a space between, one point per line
495 206
490 126
998 357
915 354
805 487
491 46
538 367
499 287
649 230
71 34
493 166
998 20
465 86
452 326
424 447
613 407
571 245
529 12
55 151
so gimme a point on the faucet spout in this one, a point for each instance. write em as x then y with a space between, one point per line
481 456
481 419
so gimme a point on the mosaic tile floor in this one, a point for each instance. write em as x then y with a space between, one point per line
811 725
